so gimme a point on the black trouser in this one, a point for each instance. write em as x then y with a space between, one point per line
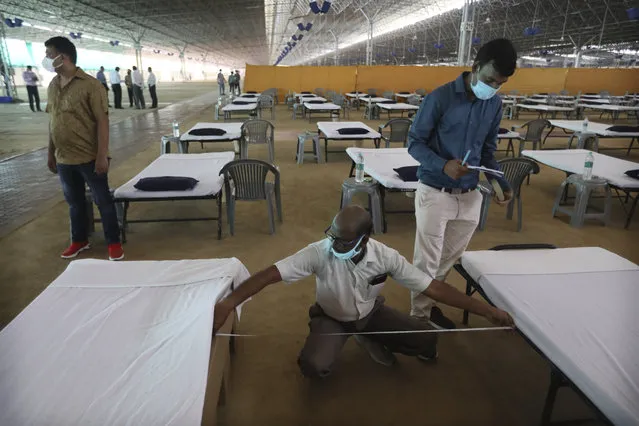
32 91
117 95
130 90
154 96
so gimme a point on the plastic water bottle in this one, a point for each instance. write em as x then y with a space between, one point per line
176 129
584 125
588 164
359 168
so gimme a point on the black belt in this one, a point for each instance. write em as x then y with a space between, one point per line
454 191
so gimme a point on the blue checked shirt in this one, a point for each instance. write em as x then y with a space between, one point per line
446 126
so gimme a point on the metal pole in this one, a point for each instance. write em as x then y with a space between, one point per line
471 29
463 35
369 39
336 52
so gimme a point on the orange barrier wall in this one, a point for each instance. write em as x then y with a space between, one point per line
396 78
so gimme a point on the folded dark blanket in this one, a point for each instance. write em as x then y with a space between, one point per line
365 96
242 103
633 173
251 92
408 173
387 102
502 130
352 131
404 93
306 93
248 96
207 132
166 183
316 102
622 128
307 96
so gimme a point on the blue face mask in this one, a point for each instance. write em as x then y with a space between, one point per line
349 254
482 90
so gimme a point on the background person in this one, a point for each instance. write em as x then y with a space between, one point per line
151 81
138 88
31 80
116 82
128 82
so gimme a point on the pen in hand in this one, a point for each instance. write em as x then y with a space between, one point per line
465 157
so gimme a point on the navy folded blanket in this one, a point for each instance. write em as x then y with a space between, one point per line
306 93
387 102
242 103
252 92
624 129
404 93
408 173
166 183
316 102
207 132
248 96
352 131
502 131
633 173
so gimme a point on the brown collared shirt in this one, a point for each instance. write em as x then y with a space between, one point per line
73 111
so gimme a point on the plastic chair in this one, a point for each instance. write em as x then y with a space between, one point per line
290 99
515 171
413 100
421 92
350 187
388 95
246 180
343 103
257 132
272 92
534 133
372 92
589 141
398 128
564 93
319 92
266 102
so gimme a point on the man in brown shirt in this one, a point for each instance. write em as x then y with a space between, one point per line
79 145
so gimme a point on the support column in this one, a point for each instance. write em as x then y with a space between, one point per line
138 54
336 52
182 50
577 57
369 39
465 34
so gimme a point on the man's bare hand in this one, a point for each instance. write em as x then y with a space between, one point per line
220 313
508 196
499 317
101 165
455 170
52 164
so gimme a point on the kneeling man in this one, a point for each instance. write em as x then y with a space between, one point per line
350 270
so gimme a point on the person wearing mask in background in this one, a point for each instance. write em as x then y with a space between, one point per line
151 81
237 83
221 83
116 87
129 87
79 145
138 87
456 127
31 80
232 83
350 270
102 79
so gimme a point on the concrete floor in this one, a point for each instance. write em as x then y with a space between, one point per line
491 378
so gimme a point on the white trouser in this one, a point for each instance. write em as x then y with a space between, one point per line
445 225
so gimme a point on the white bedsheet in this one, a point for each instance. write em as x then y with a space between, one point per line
572 160
322 107
546 108
233 107
598 128
233 132
330 130
203 167
379 164
578 306
115 343
398 106
610 107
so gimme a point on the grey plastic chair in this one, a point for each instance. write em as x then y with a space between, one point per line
319 92
564 93
343 102
266 102
413 100
421 92
589 141
398 128
515 171
289 99
272 92
534 133
247 180
372 92
256 132
388 95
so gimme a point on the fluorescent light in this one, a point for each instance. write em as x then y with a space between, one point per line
40 27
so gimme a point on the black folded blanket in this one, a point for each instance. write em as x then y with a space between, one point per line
316 102
502 131
633 173
404 93
307 96
408 173
352 131
624 129
387 102
248 96
251 92
207 132
242 103
166 183
306 93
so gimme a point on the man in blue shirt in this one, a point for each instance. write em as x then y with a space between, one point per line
455 127
102 79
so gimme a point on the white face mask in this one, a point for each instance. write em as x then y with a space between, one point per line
47 63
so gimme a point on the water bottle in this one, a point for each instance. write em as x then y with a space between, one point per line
359 168
588 164
584 125
176 129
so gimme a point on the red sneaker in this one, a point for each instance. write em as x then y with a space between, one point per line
74 249
116 252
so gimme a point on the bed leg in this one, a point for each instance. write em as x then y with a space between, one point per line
469 292
218 199
124 225
555 383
